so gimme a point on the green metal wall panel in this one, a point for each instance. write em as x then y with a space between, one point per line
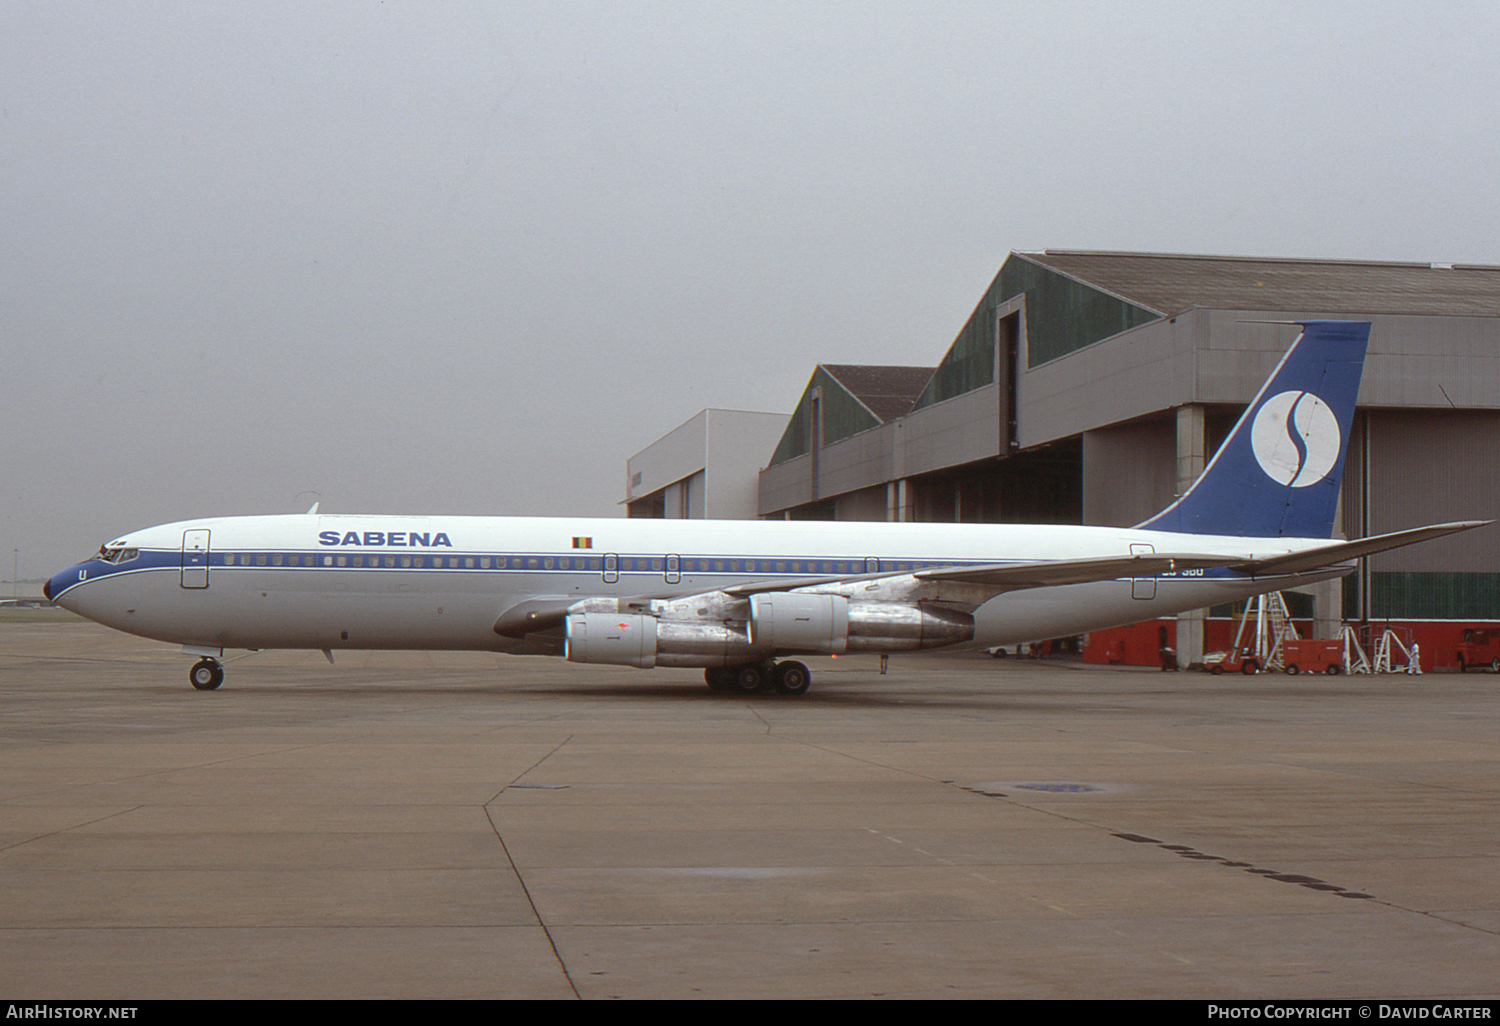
796 440
970 361
1062 316
843 416
1432 596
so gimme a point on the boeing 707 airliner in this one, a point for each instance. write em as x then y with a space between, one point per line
738 597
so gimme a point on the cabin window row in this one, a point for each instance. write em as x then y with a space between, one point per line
624 564
414 562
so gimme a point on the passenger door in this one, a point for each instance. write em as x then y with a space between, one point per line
195 558
1142 587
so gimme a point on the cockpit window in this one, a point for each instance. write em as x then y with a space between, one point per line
118 555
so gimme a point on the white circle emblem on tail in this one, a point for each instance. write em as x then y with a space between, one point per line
1295 438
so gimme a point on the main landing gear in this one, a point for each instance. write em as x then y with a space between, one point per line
788 678
206 674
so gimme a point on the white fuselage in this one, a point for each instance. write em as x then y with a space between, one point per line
439 582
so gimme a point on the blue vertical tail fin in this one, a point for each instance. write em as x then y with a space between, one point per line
1278 472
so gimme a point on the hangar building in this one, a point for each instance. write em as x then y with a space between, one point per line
705 469
1091 387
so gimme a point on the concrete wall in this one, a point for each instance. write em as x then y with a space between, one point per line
739 443
1223 357
678 454
1129 472
1433 466
708 466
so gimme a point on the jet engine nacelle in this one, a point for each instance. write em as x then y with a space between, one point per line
633 639
790 621
894 627
820 624
621 639
780 623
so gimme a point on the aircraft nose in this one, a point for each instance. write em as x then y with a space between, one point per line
61 582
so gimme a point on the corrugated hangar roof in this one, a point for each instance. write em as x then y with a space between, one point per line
1171 283
887 392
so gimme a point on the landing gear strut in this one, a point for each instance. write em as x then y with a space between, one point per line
206 674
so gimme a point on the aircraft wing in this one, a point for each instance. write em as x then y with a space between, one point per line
1300 562
1000 577
748 588
544 615
1053 573
547 613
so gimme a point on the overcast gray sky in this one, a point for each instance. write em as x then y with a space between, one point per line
467 257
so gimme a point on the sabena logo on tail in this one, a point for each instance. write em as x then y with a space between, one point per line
1278 473
1296 439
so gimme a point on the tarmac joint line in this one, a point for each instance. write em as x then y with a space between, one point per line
536 912
72 826
515 869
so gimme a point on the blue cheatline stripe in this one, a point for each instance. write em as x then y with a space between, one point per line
307 560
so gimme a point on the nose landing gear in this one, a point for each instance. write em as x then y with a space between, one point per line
206 674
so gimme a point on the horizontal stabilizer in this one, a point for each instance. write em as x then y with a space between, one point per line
1301 562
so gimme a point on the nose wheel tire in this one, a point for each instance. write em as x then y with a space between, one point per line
206 674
